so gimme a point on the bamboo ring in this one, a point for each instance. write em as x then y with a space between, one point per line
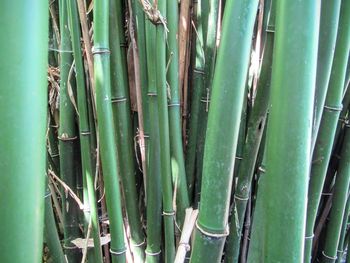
151 94
67 138
124 45
261 169
173 104
120 99
310 237
215 235
172 213
100 50
329 257
55 155
241 198
332 108
199 71
239 158
153 253
69 248
84 133
139 244
60 50
121 252
47 195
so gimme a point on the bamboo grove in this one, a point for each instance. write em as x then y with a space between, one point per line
175 131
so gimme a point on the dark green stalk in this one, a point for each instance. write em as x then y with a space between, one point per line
220 147
175 133
330 116
287 167
256 126
165 162
124 138
340 195
154 195
50 231
84 129
23 106
197 83
344 228
327 40
106 129
67 135
210 56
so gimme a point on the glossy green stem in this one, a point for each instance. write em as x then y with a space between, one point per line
330 116
220 146
154 192
175 130
285 182
84 129
340 194
106 130
327 39
23 105
124 137
67 135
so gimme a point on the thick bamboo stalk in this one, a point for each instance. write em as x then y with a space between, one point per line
124 138
256 126
287 166
340 194
328 34
23 97
332 108
106 129
67 136
154 196
84 129
175 133
165 162
226 107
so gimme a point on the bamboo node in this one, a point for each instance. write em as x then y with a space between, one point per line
199 71
123 45
119 252
118 99
174 105
47 195
310 237
69 247
172 213
261 169
239 158
55 155
151 94
333 108
139 244
100 50
241 198
153 253
329 257
64 137
84 133
327 194
60 50
214 235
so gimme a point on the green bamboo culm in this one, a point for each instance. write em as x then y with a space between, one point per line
329 253
106 130
226 107
23 98
153 183
328 34
84 129
287 167
124 137
51 237
165 162
344 228
210 50
256 126
176 149
197 83
67 136
328 126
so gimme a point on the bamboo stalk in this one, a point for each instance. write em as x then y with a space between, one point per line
344 228
84 130
328 34
124 138
256 127
339 202
165 162
328 124
175 133
287 167
67 136
226 107
23 106
154 196
106 129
